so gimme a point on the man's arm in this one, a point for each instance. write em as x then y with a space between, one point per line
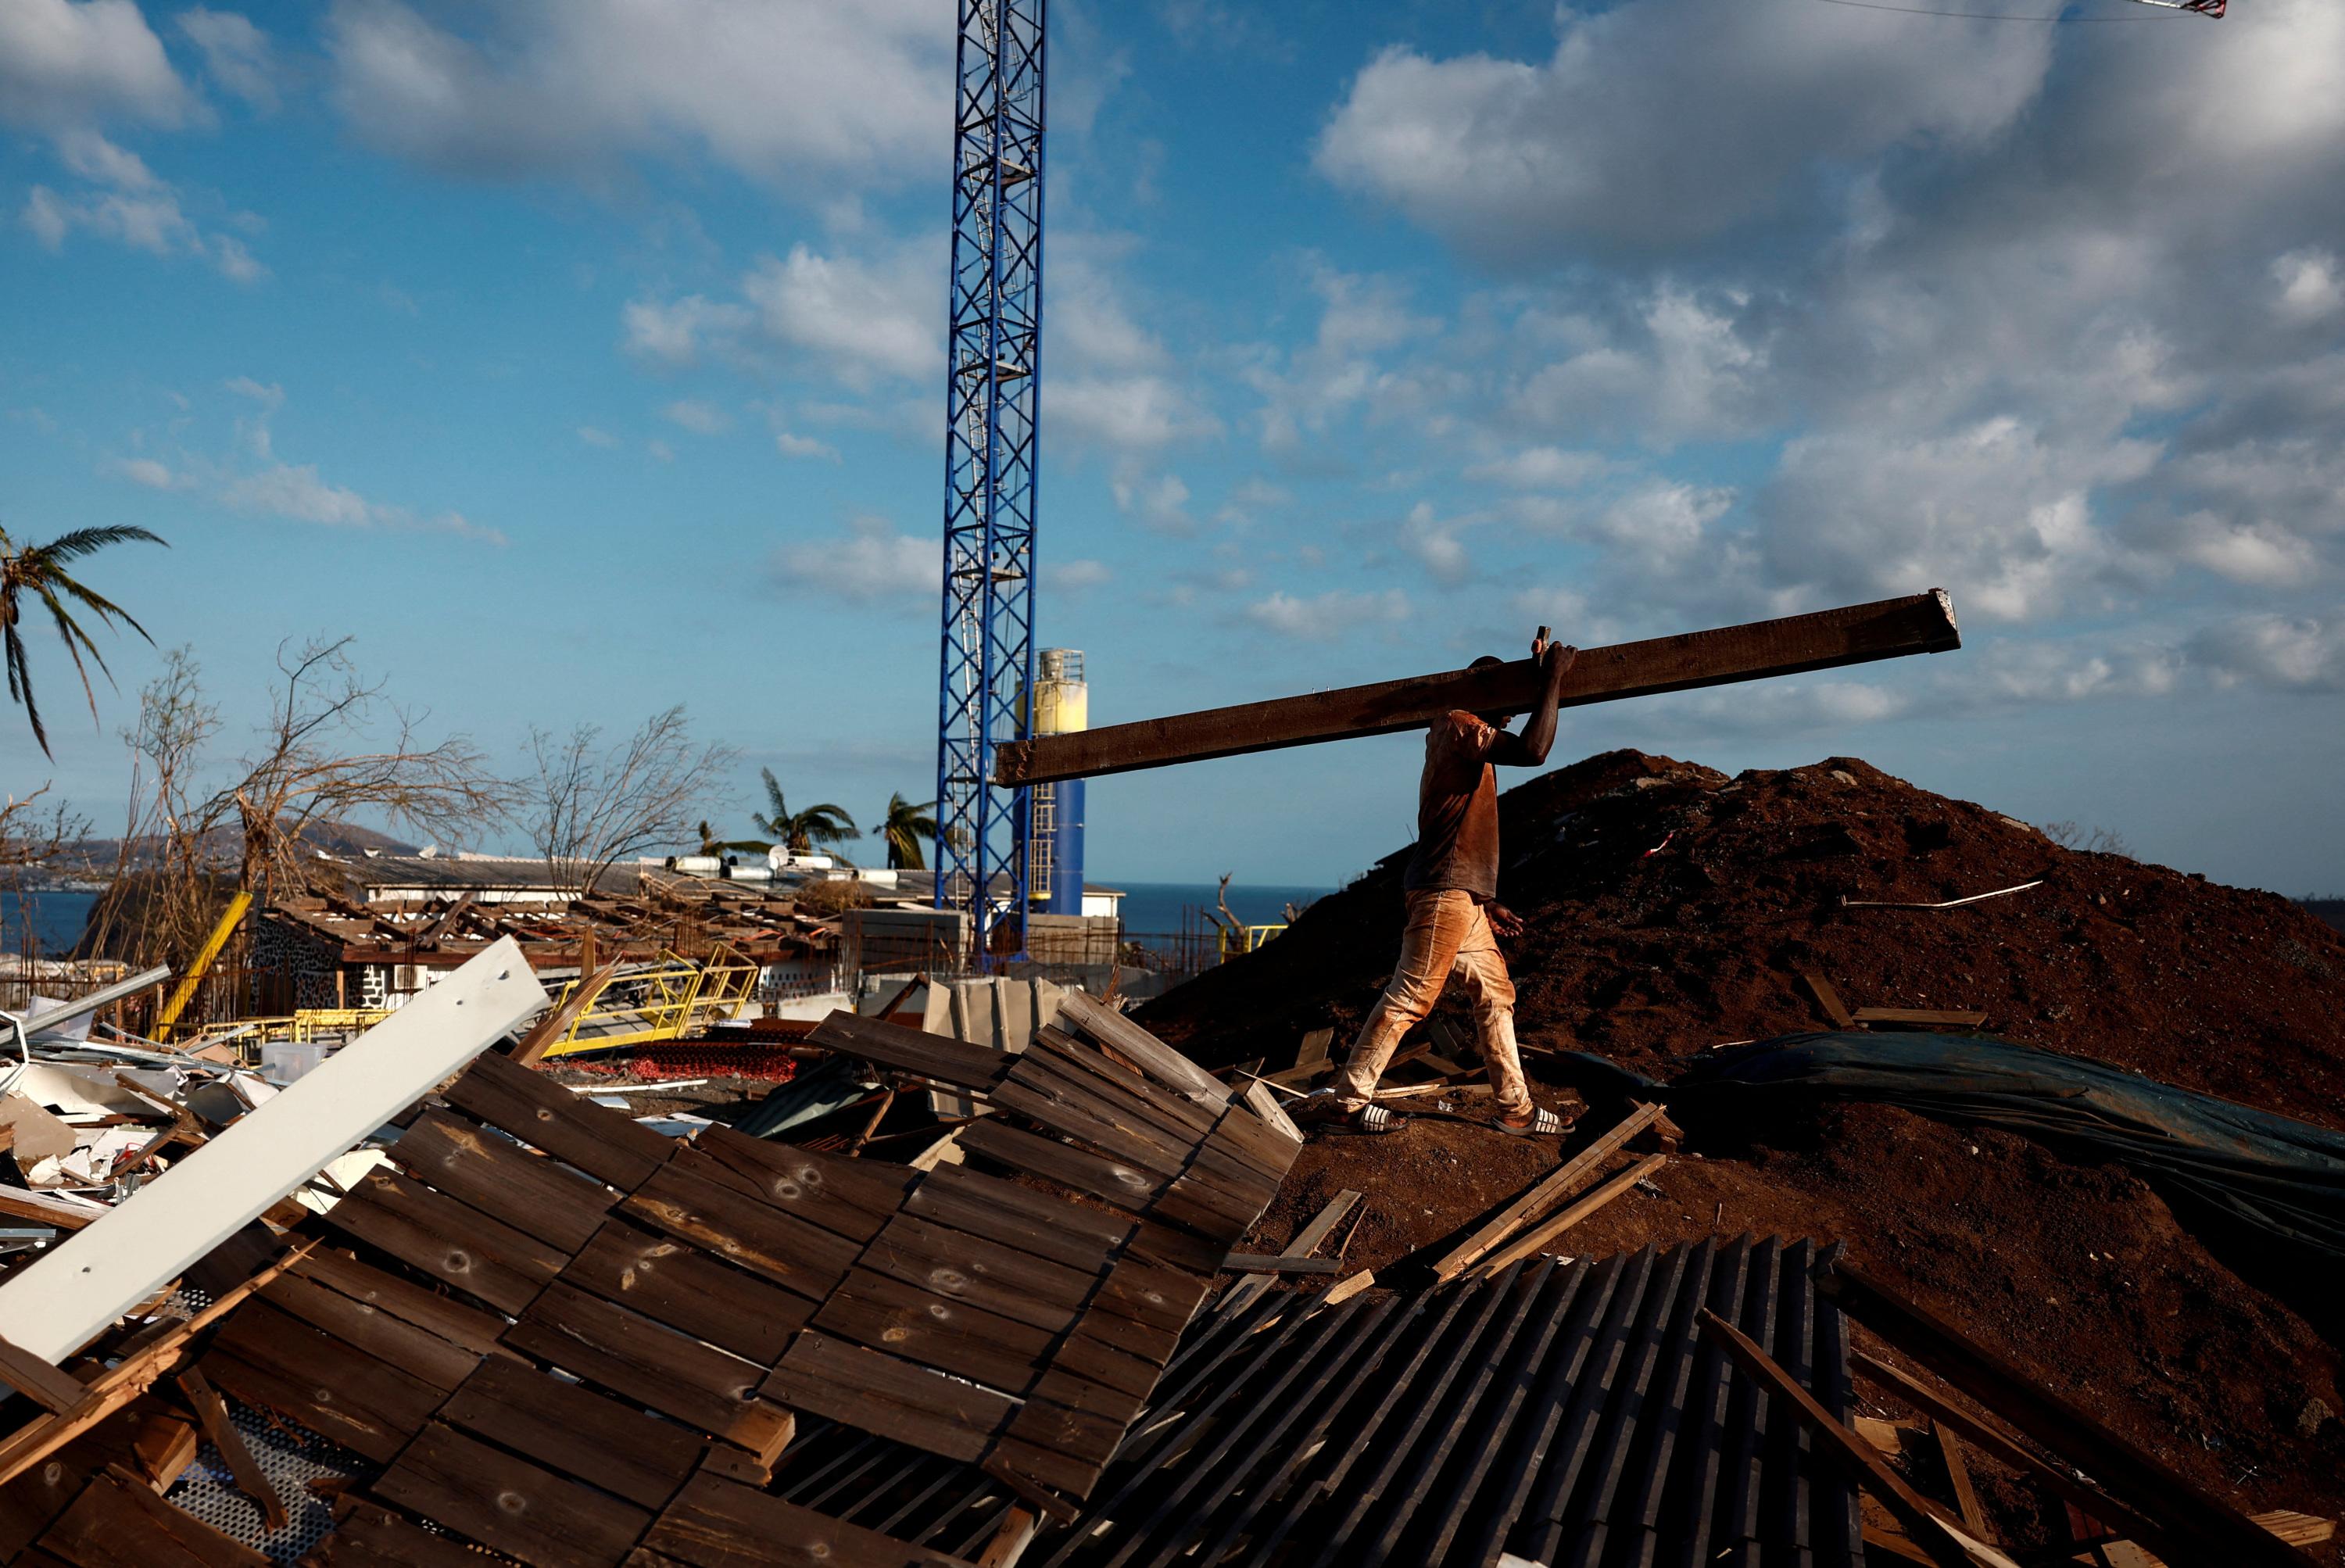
1529 748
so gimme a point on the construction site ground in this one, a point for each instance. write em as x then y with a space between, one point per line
1670 908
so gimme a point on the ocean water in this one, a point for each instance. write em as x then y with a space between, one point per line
1154 907
55 918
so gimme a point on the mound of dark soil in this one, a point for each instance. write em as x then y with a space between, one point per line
1670 908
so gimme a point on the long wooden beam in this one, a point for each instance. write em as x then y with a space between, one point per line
1891 628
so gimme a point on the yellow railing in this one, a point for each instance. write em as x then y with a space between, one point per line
666 1001
1255 935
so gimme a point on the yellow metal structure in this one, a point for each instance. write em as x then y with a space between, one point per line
1255 935
185 993
669 999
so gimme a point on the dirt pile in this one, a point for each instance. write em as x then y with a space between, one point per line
1670 908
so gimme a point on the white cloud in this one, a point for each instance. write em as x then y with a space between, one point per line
1161 504
1543 468
2309 288
1999 513
1132 414
791 445
124 202
675 333
1435 544
92 157
872 565
238 56
1076 576
295 492
867 317
794 92
593 436
67 65
1362 319
1661 120
1325 617
148 472
2289 654
698 417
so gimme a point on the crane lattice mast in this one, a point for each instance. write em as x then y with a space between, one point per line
991 408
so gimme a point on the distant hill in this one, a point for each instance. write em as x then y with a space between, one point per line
94 860
2330 909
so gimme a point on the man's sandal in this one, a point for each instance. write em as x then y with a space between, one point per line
1371 1119
1543 1124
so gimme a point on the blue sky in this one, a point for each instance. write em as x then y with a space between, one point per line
582 357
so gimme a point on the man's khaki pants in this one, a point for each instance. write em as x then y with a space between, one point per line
1448 934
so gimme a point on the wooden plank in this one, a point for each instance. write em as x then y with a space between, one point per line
32 1502
631 1355
1260 1099
1179 1248
1313 1047
717 1523
1090 1065
1544 1193
890 1397
496 1176
1119 1332
1126 1186
678 1285
250 1478
970 1209
852 1198
2192 1524
1959 1475
1079 1014
1945 1545
1265 1147
1828 998
1095 1361
1108 1231
368 1535
984 1274
356 1395
1920 1017
59 1302
1985 1435
1826 639
743 1230
531 1047
1052 1481
575 1431
1073 1113
449 1240
118 1520
1276 1263
1149 1293
442 1316
1189 1202
523 1510
1540 1234
435 1360
947 1060
44 1382
885 1314
313 1405
602 1142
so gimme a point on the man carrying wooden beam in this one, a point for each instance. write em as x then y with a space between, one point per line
1455 919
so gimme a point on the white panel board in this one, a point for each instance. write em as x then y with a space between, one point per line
56 1305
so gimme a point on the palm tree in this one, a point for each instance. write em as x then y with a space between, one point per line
36 572
801 831
905 826
710 844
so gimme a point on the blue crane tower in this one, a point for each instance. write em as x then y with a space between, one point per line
993 348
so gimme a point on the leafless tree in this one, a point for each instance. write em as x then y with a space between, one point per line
592 805
333 748
2093 842
33 836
